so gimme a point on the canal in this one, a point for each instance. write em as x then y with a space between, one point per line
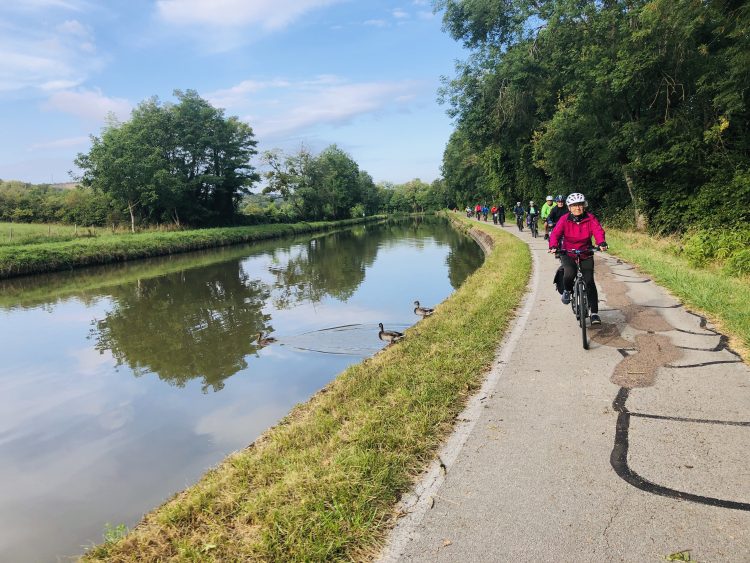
122 385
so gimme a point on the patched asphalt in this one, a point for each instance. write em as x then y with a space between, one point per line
634 450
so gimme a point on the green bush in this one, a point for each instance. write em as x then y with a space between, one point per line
726 247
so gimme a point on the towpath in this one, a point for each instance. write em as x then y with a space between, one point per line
635 450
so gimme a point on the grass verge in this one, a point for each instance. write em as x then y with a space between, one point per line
323 483
725 300
55 256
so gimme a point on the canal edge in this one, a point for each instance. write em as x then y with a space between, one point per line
420 499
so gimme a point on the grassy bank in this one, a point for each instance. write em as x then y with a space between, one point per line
711 290
13 234
18 260
323 483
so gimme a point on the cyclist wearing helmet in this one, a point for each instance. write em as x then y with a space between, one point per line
518 212
557 212
574 232
532 213
546 208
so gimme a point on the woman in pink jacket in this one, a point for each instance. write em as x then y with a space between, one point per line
574 231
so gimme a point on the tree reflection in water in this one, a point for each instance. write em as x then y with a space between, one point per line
330 265
203 322
182 326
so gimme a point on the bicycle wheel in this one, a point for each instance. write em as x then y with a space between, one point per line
582 312
534 229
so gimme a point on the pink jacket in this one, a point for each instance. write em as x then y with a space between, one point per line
576 236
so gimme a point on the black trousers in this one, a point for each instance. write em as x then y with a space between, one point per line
587 269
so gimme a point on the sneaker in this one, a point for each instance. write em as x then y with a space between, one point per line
595 320
565 297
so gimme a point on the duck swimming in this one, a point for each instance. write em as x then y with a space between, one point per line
389 335
422 311
265 341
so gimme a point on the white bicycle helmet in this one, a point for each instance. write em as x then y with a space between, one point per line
531 202
575 198
549 198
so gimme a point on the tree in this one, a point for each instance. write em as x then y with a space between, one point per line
176 162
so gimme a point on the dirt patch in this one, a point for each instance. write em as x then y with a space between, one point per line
609 335
652 350
639 370
637 316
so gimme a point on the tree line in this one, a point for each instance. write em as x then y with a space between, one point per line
642 105
186 163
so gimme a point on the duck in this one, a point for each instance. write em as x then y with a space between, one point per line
389 335
422 311
265 341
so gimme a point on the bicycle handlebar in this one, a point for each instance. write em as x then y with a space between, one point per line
559 251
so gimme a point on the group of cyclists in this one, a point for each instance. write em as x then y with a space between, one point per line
569 229
482 211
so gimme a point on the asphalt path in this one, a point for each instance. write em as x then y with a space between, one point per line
637 449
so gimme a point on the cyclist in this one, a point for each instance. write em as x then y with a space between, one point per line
546 208
532 213
501 213
574 232
493 210
518 211
557 212
478 211
485 211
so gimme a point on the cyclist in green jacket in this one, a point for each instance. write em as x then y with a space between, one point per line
546 208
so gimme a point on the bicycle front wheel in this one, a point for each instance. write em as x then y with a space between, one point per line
583 312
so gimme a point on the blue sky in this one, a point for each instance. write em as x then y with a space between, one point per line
361 74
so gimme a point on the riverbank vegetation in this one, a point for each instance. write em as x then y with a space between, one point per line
642 105
34 258
323 483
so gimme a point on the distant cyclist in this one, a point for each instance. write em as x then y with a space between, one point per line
518 211
557 212
532 213
501 213
574 232
549 204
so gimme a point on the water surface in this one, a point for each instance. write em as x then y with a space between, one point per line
121 385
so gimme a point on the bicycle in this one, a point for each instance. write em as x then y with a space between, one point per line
579 301
534 226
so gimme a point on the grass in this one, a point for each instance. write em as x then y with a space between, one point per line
722 298
35 258
13 234
323 483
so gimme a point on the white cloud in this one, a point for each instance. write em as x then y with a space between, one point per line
231 97
89 105
74 27
47 59
34 5
337 105
281 107
376 23
60 143
269 14
399 14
